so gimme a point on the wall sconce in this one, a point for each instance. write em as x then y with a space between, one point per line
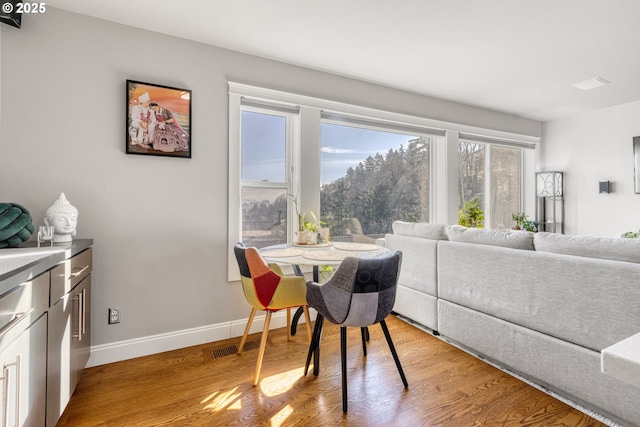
605 187
549 184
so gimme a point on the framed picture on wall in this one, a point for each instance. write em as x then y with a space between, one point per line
636 163
158 121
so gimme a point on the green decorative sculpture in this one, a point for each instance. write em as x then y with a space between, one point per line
15 225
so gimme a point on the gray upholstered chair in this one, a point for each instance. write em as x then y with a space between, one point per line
361 293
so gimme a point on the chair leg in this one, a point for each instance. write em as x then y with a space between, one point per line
307 317
288 323
246 330
263 343
316 352
315 344
363 332
393 352
343 351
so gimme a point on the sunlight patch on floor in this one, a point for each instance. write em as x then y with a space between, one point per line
280 383
278 419
222 401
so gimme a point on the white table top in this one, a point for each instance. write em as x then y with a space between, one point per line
325 254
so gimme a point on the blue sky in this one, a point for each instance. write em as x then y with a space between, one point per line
345 146
263 150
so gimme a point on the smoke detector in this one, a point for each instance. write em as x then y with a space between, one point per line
591 83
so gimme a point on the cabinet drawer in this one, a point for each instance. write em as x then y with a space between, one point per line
66 275
22 306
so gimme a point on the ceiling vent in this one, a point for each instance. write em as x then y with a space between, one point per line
591 83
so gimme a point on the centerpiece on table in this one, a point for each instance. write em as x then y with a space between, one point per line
310 230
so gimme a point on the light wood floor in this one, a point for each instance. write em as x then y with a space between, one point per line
191 387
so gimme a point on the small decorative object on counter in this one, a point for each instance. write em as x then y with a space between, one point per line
63 216
15 225
45 234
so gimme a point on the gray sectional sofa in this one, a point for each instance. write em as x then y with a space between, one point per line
540 305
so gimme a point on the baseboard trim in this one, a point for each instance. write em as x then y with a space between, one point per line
145 346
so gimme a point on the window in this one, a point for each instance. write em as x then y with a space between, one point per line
370 178
266 143
359 169
489 202
471 184
505 189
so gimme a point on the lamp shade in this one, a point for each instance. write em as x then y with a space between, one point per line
549 184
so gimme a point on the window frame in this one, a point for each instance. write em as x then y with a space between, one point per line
444 156
292 143
237 106
528 154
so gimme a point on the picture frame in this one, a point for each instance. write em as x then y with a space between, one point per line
11 13
158 120
636 164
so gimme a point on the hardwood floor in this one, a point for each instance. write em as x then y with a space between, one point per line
191 387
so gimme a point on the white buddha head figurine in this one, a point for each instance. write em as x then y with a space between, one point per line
64 218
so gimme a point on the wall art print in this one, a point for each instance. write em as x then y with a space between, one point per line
158 120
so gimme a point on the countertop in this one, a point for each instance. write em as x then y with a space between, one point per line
21 264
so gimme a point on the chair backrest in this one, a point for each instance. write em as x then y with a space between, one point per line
353 225
241 257
259 282
374 290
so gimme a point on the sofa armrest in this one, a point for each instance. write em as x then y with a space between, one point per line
622 360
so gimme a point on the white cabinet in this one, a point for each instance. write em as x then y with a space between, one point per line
23 353
45 300
69 337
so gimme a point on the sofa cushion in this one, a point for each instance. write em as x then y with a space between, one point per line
420 229
611 248
507 238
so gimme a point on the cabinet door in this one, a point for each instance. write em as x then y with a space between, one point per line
81 327
24 365
58 359
69 347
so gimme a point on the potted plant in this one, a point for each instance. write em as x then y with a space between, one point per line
317 234
309 228
523 222
302 234
471 215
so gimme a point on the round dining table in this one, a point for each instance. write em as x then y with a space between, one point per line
330 253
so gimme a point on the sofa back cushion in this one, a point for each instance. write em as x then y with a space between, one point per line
587 301
420 229
506 238
419 261
611 248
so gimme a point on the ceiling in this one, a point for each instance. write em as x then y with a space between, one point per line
514 56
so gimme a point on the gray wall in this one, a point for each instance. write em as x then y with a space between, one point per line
159 224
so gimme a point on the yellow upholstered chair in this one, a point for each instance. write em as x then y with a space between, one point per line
267 289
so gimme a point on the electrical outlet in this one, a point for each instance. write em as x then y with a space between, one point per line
114 315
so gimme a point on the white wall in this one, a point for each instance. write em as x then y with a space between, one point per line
592 147
159 224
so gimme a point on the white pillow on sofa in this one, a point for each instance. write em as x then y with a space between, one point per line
420 229
611 248
514 239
